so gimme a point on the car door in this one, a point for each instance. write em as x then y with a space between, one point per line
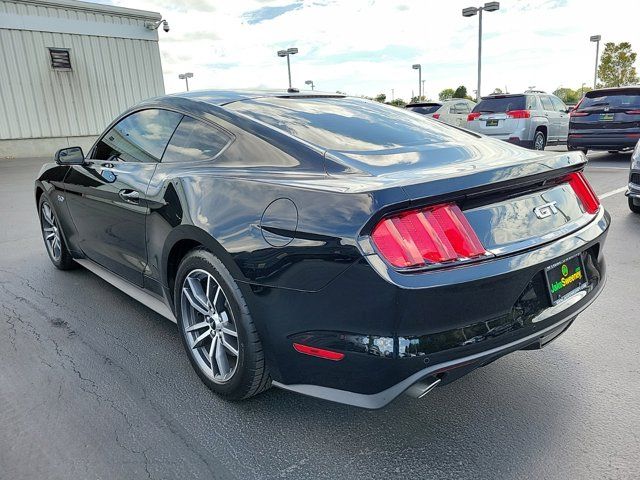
563 118
106 196
553 116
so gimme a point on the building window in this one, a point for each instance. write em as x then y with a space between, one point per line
60 58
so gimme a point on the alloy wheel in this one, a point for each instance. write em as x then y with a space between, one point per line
209 326
539 142
51 232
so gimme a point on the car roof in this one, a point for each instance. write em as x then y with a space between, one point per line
224 97
615 89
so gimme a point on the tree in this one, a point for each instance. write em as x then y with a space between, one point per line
567 95
381 97
397 102
461 92
446 94
616 65
497 91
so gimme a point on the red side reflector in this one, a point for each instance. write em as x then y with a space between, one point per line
472 116
584 191
519 114
436 116
427 236
318 352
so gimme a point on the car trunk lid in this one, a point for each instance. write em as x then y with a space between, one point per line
513 198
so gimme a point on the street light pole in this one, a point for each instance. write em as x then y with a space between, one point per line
186 77
418 67
310 82
470 12
596 38
287 53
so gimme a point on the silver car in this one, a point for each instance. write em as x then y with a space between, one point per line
453 111
533 119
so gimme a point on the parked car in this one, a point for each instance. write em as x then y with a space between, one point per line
606 119
633 192
533 119
453 111
327 245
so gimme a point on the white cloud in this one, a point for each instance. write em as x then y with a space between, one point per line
367 47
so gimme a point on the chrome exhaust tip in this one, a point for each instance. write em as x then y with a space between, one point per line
421 388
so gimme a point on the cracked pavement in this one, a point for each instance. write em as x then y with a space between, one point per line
95 385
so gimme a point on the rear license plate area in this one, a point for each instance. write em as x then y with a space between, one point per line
565 278
492 122
606 117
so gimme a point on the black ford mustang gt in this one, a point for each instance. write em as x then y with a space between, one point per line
328 245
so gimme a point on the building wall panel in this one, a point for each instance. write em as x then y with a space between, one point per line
109 74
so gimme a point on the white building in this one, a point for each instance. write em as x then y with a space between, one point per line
67 68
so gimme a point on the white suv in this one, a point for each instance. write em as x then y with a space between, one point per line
533 119
453 111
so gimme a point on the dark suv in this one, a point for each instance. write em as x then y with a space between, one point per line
606 119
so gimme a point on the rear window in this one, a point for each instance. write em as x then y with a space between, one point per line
501 104
346 123
612 100
424 109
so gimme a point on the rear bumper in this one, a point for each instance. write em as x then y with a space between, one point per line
600 141
397 329
455 368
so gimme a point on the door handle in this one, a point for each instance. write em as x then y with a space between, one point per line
130 196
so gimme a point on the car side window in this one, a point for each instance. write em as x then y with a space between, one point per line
139 137
546 103
558 104
194 140
462 108
531 103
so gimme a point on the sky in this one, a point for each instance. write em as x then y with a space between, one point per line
367 47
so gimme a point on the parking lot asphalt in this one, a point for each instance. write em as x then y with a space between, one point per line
95 385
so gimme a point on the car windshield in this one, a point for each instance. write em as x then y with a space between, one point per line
611 100
424 109
347 124
501 104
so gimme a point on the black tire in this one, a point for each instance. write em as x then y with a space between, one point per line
60 257
539 140
251 375
633 207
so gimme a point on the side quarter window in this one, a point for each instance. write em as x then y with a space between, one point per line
194 140
139 137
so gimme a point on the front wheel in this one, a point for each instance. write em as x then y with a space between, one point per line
53 239
632 206
216 328
539 140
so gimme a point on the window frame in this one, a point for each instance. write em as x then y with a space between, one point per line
230 139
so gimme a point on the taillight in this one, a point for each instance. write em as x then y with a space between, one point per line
575 112
436 116
519 114
472 116
427 236
633 112
584 191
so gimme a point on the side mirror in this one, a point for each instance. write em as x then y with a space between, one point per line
69 156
